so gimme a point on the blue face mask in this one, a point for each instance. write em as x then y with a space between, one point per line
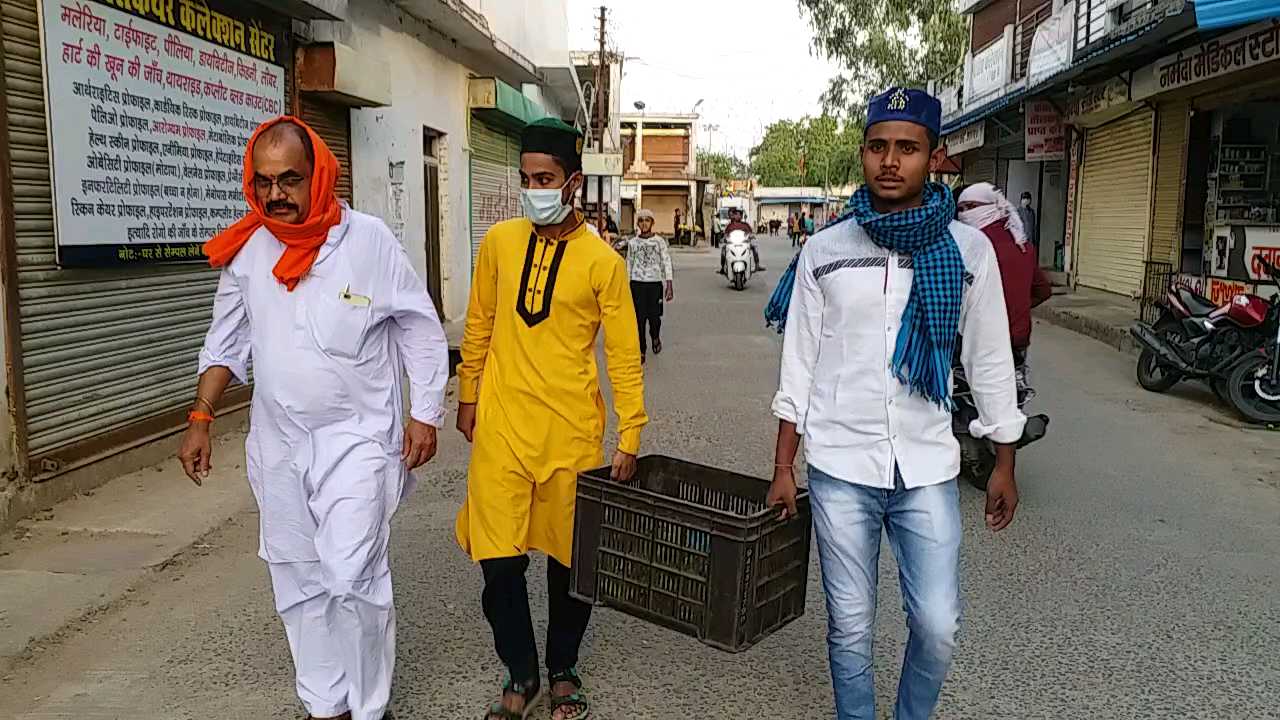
545 207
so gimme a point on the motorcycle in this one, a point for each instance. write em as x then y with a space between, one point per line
739 261
1253 387
1195 339
978 455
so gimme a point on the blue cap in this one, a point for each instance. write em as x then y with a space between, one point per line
907 104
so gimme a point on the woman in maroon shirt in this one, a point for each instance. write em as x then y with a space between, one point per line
1025 284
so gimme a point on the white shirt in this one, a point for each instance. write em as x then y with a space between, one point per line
327 360
648 259
836 381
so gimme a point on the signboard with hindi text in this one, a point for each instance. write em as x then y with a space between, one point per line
150 105
1240 50
1045 135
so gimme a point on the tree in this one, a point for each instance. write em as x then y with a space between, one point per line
882 43
721 166
812 151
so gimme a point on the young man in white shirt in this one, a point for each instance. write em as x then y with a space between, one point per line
879 299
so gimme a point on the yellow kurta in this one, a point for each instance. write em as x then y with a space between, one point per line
528 361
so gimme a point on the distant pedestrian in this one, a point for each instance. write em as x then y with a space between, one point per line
649 265
791 228
808 226
675 226
324 305
1030 223
893 287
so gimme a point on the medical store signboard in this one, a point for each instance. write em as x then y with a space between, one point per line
150 105
1254 45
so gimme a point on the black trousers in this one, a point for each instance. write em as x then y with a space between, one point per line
506 605
647 297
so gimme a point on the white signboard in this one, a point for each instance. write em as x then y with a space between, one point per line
969 137
607 164
1250 47
1261 243
1098 103
1051 45
949 97
989 71
1045 135
148 126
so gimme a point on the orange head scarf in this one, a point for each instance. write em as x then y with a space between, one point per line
303 241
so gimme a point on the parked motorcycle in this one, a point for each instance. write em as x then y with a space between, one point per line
1254 385
978 455
1195 339
739 261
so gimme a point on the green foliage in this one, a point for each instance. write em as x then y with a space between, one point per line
811 151
721 166
881 43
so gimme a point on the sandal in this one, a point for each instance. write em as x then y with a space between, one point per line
573 706
531 692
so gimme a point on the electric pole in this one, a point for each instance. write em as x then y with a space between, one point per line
598 121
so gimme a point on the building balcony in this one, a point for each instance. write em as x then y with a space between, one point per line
1024 33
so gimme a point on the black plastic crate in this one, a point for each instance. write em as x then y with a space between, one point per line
691 548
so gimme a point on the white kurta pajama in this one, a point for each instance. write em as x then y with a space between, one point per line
325 441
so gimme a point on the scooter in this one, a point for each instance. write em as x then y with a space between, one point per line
739 262
977 455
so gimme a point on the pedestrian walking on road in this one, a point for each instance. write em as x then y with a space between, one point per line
792 221
530 402
324 303
649 265
1025 285
890 286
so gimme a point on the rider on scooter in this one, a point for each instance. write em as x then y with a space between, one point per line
736 223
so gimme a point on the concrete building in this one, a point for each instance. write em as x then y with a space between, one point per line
779 203
661 169
421 100
1146 137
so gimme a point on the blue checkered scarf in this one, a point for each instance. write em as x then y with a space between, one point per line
931 320
775 313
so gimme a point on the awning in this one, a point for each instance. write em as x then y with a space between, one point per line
1229 13
502 104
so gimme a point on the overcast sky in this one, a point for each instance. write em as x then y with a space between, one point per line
749 62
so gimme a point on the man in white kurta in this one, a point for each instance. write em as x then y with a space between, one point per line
326 449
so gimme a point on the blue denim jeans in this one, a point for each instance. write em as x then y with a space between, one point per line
923 526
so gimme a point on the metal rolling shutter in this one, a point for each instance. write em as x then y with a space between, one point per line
333 124
1171 159
495 180
101 349
979 167
1115 204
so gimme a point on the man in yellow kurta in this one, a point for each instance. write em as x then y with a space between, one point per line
531 404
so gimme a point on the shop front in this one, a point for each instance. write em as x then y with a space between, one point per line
1217 194
498 112
1112 203
124 126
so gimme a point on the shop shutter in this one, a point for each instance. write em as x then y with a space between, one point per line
1171 159
1115 204
495 179
105 352
979 167
332 123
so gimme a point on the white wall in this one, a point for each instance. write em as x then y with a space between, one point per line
537 29
428 90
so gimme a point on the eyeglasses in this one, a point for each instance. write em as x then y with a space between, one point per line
287 183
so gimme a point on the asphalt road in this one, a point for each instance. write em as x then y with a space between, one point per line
1140 579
